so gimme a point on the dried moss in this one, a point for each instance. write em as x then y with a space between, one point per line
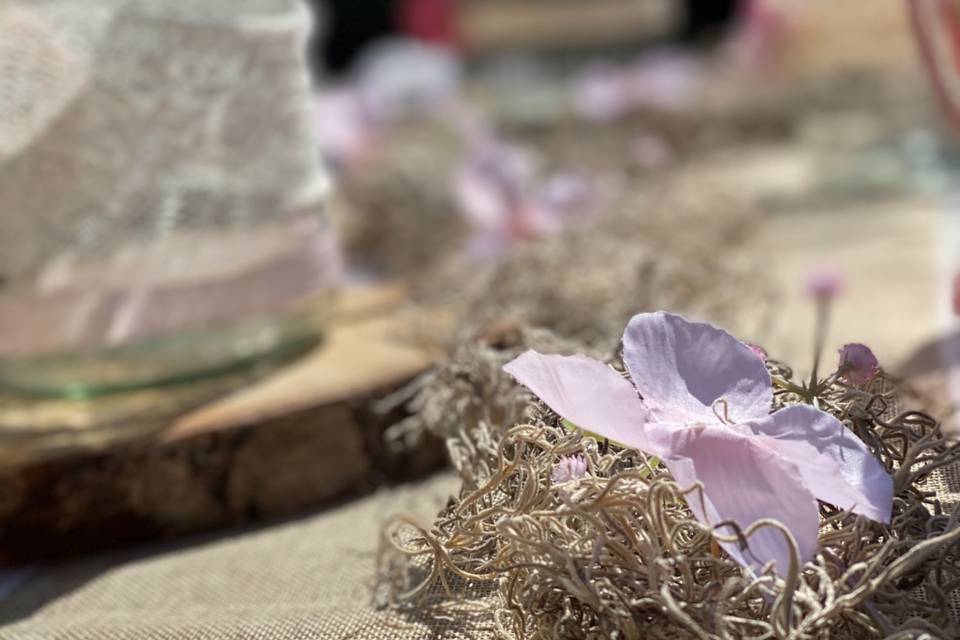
617 554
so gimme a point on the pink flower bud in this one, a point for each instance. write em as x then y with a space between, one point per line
858 364
825 283
569 468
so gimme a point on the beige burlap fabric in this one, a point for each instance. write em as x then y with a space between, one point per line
945 483
308 579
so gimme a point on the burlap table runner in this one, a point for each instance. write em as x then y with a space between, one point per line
307 579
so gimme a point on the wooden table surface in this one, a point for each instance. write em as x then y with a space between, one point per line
304 436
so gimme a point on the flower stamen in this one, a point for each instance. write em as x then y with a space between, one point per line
725 418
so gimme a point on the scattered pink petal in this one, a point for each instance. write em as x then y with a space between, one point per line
858 364
705 412
825 283
569 468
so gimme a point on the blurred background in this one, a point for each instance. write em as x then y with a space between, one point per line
238 236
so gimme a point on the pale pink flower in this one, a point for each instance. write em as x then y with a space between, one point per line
569 468
857 364
825 283
402 78
566 197
602 93
705 412
492 188
666 81
499 192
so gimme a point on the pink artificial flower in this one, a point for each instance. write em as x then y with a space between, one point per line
400 78
705 412
499 193
569 468
565 197
492 190
758 351
666 81
858 364
825 283
602 93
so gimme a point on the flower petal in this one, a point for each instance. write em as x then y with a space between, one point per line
836 465
588 393
744 481
683 368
